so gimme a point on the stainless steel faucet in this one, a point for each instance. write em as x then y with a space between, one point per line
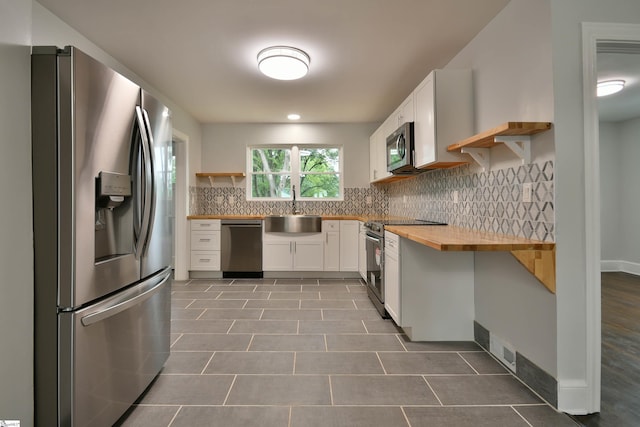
294 210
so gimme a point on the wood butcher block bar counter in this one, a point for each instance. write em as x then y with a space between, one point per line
536 256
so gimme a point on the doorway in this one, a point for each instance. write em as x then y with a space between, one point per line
598 39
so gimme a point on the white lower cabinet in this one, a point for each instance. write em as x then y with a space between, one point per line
429 293
392 302
331 231
362 251
205 245
292 252
349 247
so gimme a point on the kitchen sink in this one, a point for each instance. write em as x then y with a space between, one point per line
293 224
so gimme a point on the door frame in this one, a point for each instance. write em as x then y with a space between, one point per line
592 34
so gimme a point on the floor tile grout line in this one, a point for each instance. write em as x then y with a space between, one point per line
432 390
406 418
177 339
381 364
467 362
401 342
330 390
174 416
224 403
521 416
233 322
208 363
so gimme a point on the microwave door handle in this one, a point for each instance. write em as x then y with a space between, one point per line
400 146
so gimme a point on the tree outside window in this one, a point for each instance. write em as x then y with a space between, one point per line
314 170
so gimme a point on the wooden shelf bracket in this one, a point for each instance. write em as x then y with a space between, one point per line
482 156
542 264
520 145
213 175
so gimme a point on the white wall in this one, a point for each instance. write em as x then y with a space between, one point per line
224 145
630 191
611 249
16 243
48 29
513 81
571 268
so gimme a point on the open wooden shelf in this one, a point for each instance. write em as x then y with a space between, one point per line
213 175
487 139
514 135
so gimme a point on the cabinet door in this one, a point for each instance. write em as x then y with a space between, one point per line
277 255
424 122
362 255
308 255
373 156
392 290
332 251
349 231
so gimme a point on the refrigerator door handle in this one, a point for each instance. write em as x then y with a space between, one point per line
117 304
146 176
150 166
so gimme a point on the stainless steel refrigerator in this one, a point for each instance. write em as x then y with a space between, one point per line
101 149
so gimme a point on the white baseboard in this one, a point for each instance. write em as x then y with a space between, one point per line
573 398
619 265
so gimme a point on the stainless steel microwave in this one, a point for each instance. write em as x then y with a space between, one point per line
400 151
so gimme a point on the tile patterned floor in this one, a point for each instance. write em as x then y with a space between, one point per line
306 353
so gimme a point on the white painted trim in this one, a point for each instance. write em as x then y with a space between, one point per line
574 396
181 271
621 266
568 395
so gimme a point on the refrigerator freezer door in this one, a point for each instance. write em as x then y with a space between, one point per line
97 107
115 349
157 253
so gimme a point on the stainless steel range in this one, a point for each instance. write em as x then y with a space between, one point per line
375 257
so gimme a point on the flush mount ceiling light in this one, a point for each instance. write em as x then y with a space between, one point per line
293 116
609 87
283 62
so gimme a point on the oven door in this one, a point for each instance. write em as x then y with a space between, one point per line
375 266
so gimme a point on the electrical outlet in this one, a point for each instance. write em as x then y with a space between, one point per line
526 192
455 196
404 199
219 200
232 200
368 200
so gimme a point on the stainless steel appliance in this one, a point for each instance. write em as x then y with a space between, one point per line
401 152
102 238
375 256
241 248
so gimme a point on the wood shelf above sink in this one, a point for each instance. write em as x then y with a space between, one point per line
213 175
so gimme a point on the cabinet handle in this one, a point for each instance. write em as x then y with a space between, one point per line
205 240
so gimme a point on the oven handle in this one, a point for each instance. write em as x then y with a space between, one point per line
372 239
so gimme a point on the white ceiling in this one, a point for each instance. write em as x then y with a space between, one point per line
622 63
366 55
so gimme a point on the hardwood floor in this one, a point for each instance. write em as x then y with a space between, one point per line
620 391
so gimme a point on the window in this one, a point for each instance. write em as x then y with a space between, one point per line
315 171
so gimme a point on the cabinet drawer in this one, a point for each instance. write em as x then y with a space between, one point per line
205 260
205 225
331 225
205 240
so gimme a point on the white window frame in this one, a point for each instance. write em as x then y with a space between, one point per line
295 171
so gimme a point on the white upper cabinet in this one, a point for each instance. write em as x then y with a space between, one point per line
443 114
378 153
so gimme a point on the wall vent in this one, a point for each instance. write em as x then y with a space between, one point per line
504 351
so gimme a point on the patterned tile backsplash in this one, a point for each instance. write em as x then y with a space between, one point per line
487 201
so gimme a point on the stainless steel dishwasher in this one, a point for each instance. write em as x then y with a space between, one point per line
241 248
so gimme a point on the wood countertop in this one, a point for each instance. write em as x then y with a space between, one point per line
324 217
538 257
450 238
